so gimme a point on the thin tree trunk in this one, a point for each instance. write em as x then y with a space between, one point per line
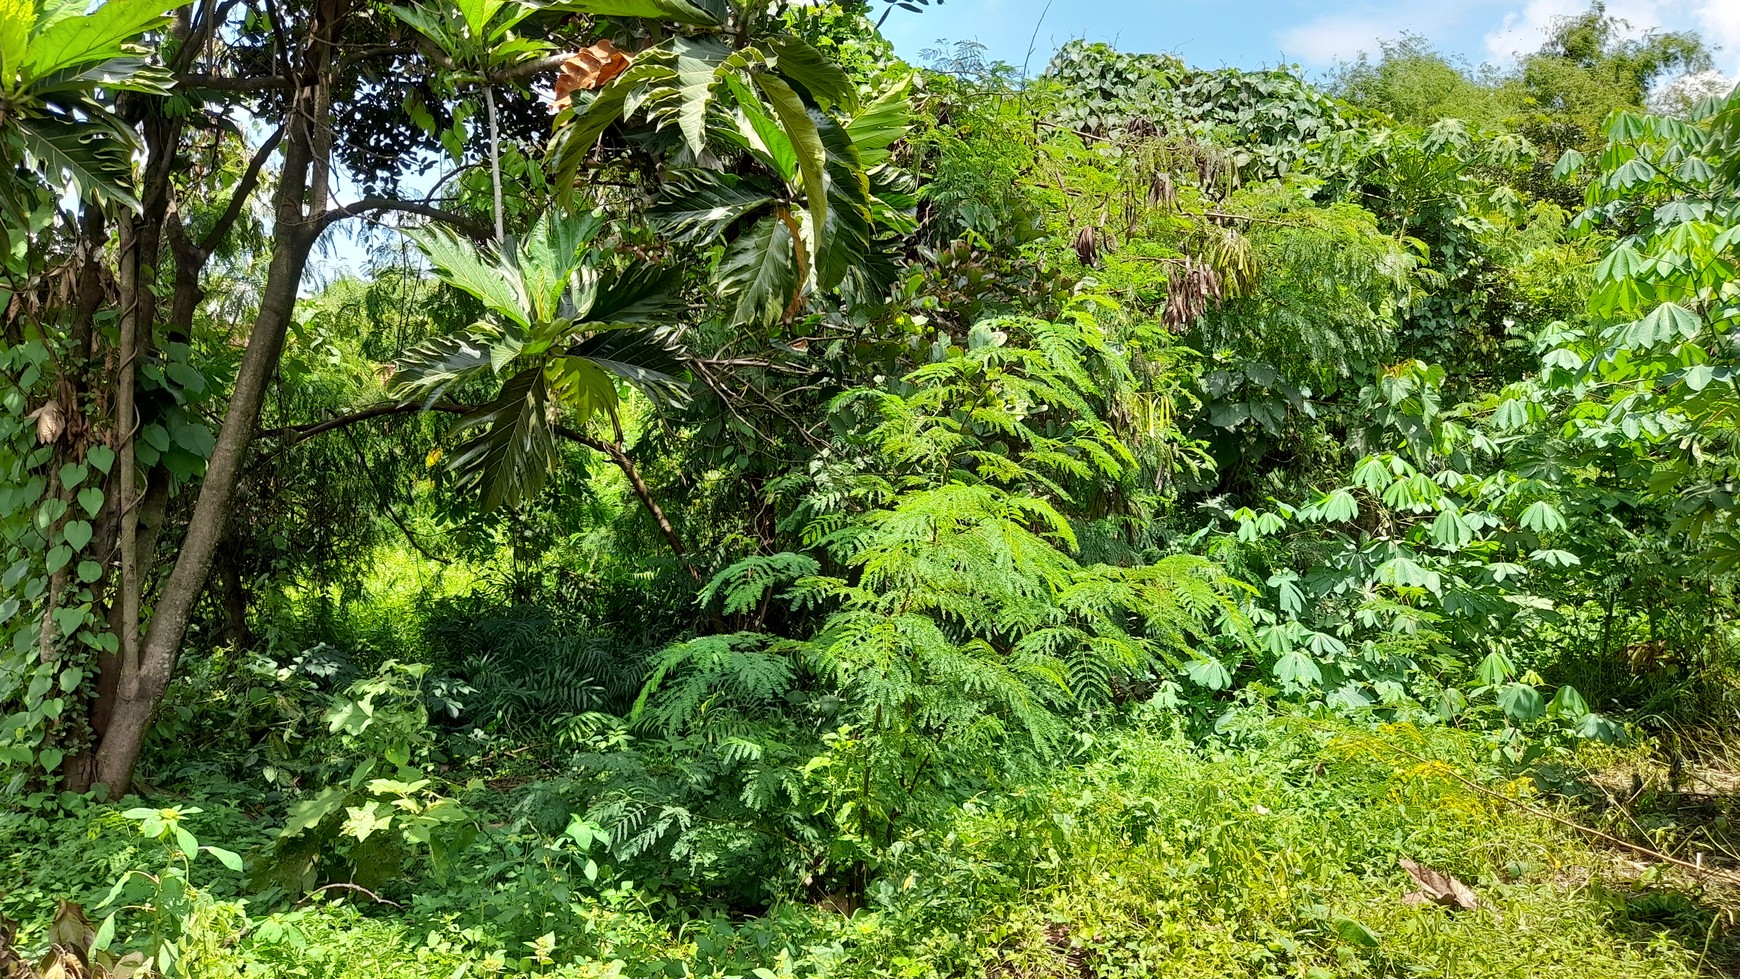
144 682
494 161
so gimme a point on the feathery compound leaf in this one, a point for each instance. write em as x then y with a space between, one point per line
746 583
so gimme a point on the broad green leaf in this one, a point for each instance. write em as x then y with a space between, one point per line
1353 932
510 457
766 140
462 266
310 812
547 258
1340 506
229 858
697 66
77 534
819 75
806 142
1598 728
1286 585
426 371
1521 701
1568 703
16 18
363 821
703 13
1403 572
1298 669
95 37
1449 530
646 294
1209 672
698 205
1542 517
87 157
759 273
1698 376
1372 475
651 360
843 241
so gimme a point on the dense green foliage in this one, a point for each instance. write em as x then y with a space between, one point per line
800 513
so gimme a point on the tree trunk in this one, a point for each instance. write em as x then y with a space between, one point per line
233 597
298 206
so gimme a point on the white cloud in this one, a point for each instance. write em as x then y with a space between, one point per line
1336 37
1718 21
1501 29
1522 30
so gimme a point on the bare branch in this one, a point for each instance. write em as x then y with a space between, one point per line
244 190
613 451
225 83
459 221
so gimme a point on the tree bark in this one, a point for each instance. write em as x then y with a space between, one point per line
144 680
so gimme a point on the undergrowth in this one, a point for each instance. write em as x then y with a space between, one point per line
1267 849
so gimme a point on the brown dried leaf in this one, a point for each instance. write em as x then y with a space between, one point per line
1437 888
72 929
1087 247
50 422
61 962
588 69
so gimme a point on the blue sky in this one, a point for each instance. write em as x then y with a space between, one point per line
1248 33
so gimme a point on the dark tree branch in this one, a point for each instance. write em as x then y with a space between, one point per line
226 83
244 190
302 433
459 221
526 69
614 451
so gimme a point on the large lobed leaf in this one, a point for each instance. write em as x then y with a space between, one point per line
651 360
462 266
507 462
699 205
760 272
81 41
89 157
702 13
426 372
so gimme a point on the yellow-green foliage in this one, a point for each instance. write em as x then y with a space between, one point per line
1271 850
